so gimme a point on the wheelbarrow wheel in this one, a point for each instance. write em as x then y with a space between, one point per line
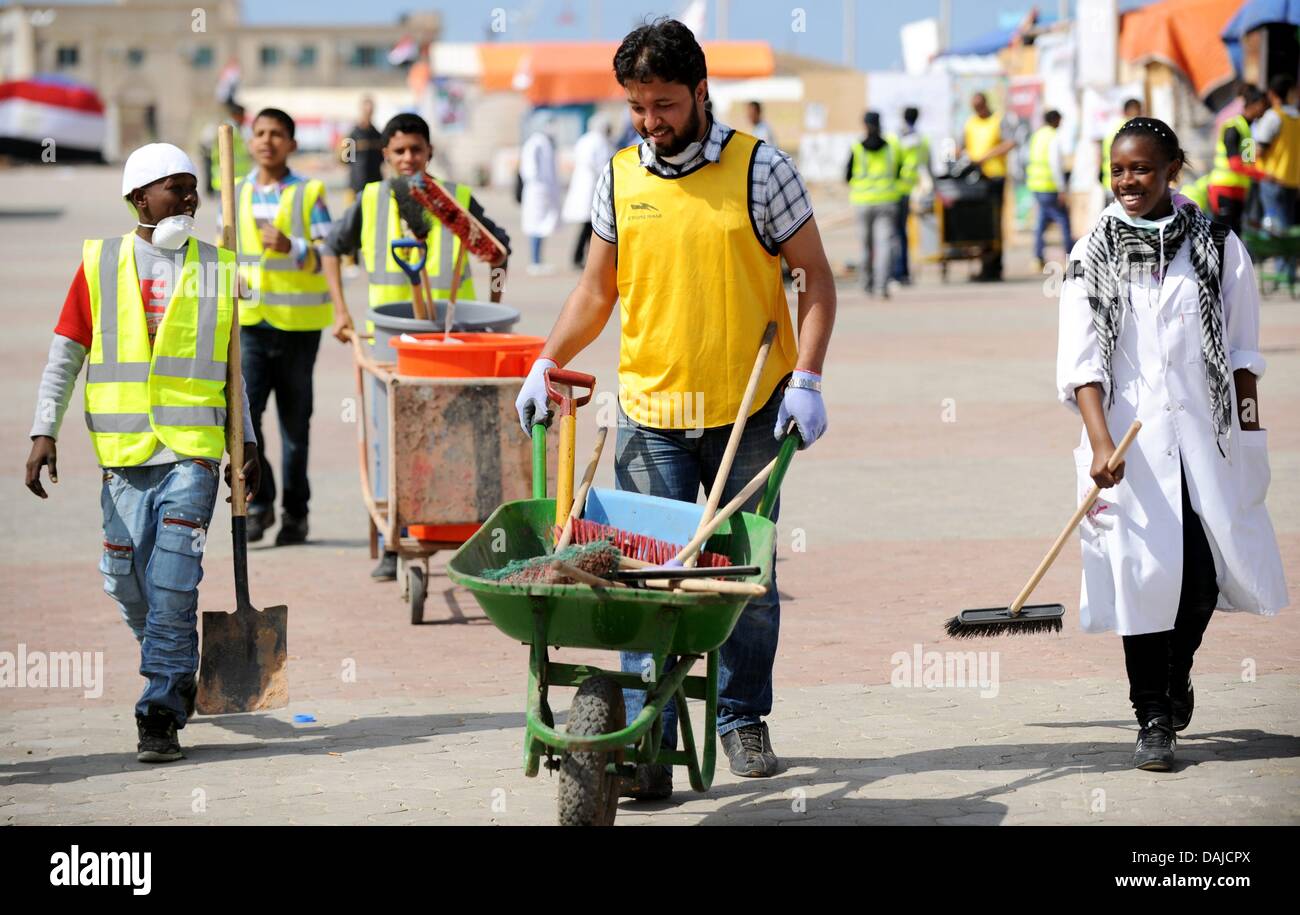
418 589
588 793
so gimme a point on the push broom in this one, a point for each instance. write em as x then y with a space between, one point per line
1019 619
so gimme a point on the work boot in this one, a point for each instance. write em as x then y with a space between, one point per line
387 568
292 530
158 741
257 523
1182 704
749 751
1155 746
652 783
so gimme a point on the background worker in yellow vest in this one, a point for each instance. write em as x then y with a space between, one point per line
151 312
1132 109
983 143
1045 178
243 161
281 218
368 227
875 164
914 151
1277 144
1234 157
689 228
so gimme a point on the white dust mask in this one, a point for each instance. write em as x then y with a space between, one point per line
172 232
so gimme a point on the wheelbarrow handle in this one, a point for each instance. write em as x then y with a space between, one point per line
572 379
539 461
789 445
411 269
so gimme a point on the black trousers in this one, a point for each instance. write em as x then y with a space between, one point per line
1158 662
991 261
281 362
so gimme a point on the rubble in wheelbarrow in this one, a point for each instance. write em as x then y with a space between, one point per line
599 558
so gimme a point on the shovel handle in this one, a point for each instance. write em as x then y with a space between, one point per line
410 268
234 380
568 403
1079 512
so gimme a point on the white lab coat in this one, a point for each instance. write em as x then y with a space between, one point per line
591 154
1132 541
541 197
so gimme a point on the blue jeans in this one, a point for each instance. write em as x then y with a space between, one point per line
1049 211
281 361
1278 203
674 463
902 270
155 524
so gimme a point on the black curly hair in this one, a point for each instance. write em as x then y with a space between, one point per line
663 49
1159 133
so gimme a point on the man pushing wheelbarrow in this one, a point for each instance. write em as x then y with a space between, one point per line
689 228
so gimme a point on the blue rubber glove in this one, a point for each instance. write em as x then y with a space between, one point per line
807 410
531 402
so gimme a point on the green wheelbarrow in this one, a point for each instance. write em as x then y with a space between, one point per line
598 748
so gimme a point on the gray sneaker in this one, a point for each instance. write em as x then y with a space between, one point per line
749 751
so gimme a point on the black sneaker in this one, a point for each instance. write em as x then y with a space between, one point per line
258 522
749 751
1182 706
652 783
158 740
1155 746
292 530
387 568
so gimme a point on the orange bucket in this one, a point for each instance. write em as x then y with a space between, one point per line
477 355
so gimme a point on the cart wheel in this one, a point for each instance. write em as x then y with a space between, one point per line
589 794
418 588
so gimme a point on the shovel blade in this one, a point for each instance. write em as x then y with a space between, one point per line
242 665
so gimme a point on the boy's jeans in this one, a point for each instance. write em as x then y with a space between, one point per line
673 463
155 527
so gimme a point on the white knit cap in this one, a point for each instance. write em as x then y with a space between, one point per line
150 163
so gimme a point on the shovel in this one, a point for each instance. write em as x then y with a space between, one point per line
243 654
414 271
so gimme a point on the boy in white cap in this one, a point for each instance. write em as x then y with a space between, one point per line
150 313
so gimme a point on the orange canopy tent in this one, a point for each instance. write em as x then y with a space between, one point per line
565 73
1184 34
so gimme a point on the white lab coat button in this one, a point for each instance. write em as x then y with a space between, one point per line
1168 408
1180 408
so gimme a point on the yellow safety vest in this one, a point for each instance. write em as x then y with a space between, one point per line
1107 142
1222 174
913 150
697 287
1038 173
1282 158
982 134
875 174
176 394
380 224
243 160
284 295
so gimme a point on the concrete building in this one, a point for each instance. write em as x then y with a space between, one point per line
158 64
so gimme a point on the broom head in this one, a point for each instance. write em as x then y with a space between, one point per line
994 621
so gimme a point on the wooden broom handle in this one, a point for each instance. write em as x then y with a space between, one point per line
1079 512
737 432
234 369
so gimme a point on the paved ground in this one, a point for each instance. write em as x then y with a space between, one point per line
945 475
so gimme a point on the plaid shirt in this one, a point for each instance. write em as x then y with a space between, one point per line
778 197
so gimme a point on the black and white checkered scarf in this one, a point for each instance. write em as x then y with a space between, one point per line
1117 251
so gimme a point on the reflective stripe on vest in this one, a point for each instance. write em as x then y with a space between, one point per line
1222 174
174 395
380 225
286 296
1038 173
875 175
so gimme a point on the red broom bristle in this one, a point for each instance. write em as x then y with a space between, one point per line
639 546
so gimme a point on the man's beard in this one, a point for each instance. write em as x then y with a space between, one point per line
683 139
